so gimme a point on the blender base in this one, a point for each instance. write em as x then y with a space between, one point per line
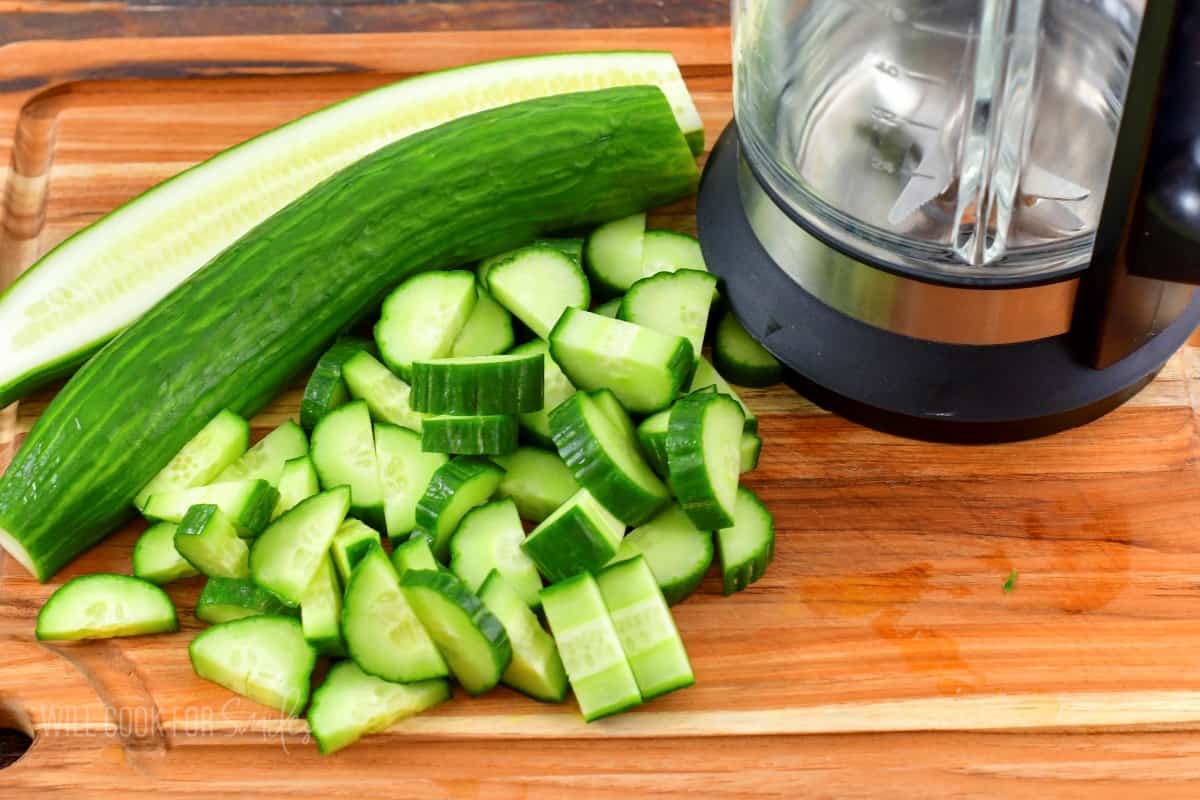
910 387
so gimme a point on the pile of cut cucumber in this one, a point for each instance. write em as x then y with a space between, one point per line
387 530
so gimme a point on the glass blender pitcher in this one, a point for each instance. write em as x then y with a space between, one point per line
962 219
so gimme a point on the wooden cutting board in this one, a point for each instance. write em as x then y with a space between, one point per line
883 612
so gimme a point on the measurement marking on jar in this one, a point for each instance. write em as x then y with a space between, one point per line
885 117
894 70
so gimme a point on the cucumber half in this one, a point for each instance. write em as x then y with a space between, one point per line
747 547
265 658
704 456
677 552
218 444
103 606
536 669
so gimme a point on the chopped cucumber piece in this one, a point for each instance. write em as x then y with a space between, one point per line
225 599
265 658
343 451
751 447
613 253
612 408
218 444
287 556
414 554
321 611
535 669
210 543
388 398
265 460
455 488
479 436
352 541
668 251
645 627
404 473
555 388
536 283
423 316
609 309
488 331
479 385
675 303
644 368
248 504
572 248
489 538
706 376
326 390
155 558
704 456
677 552
298 482
740 358
537 481
581 536
351 704
652 436
746 548
103 606
589 647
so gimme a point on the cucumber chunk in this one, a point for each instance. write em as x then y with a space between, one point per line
555 388
155 558
668 251
652 436
480 436
388 398
750 450
104 606
210 543
423 316
590 649
613 253
218 444
226 599
469 637
352 541
581 536
248 504
383 634
537 481
573 248
644 368
488 331
455 488
321 611
265 460
674 303
287 555
343 452
536 283
610 308
704 457
326 389
707 376
535 669
351 704
414 554
404 473
479 385
748 546
677 552
645 627
489 538
265 658
298 482
741 359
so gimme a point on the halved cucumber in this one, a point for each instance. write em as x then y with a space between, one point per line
352 541
414 554
677 552
751 447
537 481
613 253
706 375
746 548
248 504
265 460
489 538
155 558
326 390
226 599
265 658
321 611
404 473
488 331
218 444
479 385
298 482
103 606
581 536
668 251
388 398
288 554
569 247
704 456
675 303
536 283
479 436
351 704
455 488
343 451
740 358
210 543
535 669
555 388
422 317
610 308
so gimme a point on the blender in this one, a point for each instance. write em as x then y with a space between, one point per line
962 220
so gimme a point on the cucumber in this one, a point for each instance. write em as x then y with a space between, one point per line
326 389
751 447
747 547
388 398
652 437
488 331
298 482
265 460
537 283
247 504
352 541
704 456
599 450
469 637
613 253
422 317
491 435
218 444
610 308
589 647
210 543
383 634
455 488
537 481
535 669
404 473
740 359
103 606
242 328
288 554
155 558
413 554
612 408
572 248
644 368
479 385
555 389
226 599
668 251
706 376
581 536
321 611
265 658
489 538
675 303
351 704
343 452
677 552
645 627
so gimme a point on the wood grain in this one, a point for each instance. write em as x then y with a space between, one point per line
882 614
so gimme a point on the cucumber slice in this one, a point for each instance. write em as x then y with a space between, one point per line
677 552
603 457
668 251
383 634
675 303
645 627
555 388
573 248
644 368
210 543
155 558
226 599
706 376
321 611
404 473
480 436
608 403
589 647
613 253
746 548
218 444
741 359
704 456
422 317
609 309
751 447
265 658
265 460
581 536
479 385
288 554
455 488
248 504
326 390
343 452
414 554
652 436
535 669
488 331
351 704
536 283
537 481
388 398
298 482
103 606
489 538
352 541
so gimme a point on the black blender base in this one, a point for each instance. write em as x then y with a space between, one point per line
910 387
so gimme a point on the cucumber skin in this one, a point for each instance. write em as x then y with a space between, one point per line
244 594
476 436
685 459
326 379
90 452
